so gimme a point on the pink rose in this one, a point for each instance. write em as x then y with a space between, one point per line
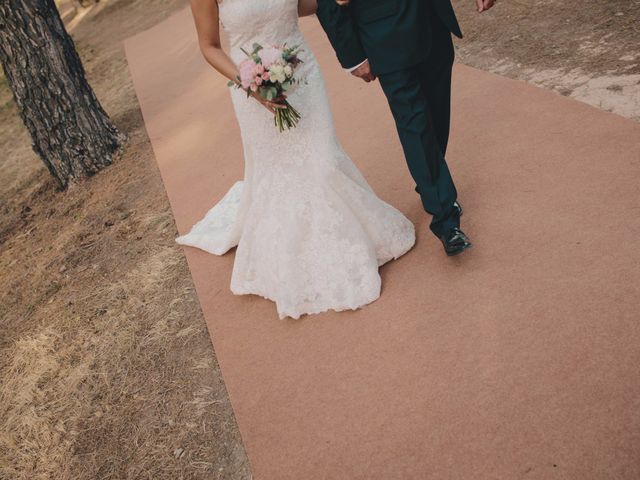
254 87
247 72
269 56
259 69
266 76
258 81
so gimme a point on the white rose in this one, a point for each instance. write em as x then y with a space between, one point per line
277 74
288 71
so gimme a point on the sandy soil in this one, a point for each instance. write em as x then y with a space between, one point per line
587 51
106 366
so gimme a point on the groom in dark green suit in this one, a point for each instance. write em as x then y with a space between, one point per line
407 45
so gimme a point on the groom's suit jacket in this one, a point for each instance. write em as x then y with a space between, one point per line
392 34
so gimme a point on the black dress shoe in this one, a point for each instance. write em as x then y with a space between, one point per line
455 242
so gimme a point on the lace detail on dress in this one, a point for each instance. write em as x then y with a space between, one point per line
310 232
215 233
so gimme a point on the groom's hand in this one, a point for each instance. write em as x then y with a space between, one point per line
364 72
484 5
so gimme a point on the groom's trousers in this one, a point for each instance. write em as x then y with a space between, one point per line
420 100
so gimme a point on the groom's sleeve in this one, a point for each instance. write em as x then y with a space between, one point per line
342 33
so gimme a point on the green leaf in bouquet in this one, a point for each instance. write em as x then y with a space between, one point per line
269 93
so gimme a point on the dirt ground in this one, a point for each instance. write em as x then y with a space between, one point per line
106 367
585 50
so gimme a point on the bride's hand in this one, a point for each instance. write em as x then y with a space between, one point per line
484 5
272 105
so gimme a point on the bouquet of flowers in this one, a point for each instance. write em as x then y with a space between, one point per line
269 72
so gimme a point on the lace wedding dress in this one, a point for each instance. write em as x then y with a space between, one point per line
310 232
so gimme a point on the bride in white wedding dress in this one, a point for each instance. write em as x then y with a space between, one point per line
310 232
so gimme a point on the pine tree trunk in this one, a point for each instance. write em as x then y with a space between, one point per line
69 128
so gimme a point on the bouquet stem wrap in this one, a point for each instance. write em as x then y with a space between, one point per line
287 117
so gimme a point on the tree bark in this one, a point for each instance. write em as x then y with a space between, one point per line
70 130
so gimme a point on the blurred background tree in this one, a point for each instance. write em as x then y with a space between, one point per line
70 130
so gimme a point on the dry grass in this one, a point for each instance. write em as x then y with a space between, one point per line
106 367
111 392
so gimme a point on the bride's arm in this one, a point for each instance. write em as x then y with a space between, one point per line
205 15
307 7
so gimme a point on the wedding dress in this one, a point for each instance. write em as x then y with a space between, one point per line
310 232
